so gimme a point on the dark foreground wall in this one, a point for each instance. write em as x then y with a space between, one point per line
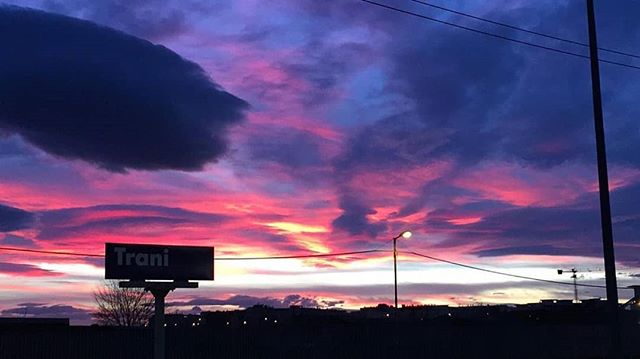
347 340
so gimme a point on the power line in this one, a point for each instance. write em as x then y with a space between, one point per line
504 273
462 27
319 255
472 29
322 255
522 29
51 252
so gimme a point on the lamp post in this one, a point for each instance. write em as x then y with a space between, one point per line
407 235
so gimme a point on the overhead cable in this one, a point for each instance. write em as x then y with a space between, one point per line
503 273
501 37
569 41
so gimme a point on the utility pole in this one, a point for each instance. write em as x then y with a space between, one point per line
605 207
406 235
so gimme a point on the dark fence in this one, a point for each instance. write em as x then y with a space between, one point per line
347 340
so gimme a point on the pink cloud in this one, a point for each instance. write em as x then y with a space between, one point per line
25 270
525 186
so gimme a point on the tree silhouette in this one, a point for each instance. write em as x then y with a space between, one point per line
128 307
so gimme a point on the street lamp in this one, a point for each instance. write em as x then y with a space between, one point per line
406 235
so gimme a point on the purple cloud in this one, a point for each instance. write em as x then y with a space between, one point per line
12 219
61 223
17 241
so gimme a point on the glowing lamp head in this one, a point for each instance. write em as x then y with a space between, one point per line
406 234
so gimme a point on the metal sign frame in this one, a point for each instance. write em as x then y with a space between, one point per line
162 262
141 262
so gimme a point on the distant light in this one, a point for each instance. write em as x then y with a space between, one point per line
227 323
165 324
386 315
175 325
193 324
244 322
449 314
265 318
406 234
275 320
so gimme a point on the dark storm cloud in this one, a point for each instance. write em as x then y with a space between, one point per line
59 224
81 91
12 219
354 219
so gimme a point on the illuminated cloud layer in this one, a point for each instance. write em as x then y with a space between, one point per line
362 123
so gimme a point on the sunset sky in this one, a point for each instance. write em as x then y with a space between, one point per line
286 127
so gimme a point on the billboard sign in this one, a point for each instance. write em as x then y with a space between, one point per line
146 261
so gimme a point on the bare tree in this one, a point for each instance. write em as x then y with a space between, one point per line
117 306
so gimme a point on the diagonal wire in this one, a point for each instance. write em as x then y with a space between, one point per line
13 249
548 48
318 255
324 255
521 29
504 273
